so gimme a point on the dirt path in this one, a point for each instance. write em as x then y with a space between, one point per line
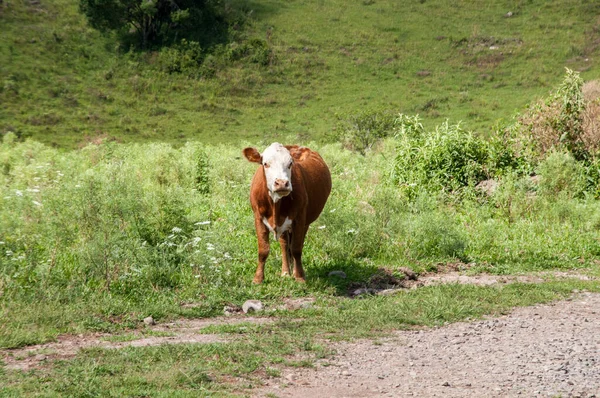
67 346
545 350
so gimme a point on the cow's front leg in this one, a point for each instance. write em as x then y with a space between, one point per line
262 235
298 235
286 254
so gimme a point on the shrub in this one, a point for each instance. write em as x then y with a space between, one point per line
554 123
360 131
185 57
447 159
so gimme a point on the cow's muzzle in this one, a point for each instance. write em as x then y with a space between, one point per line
282 187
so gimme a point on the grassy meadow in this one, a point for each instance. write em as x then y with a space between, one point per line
94 240
65 84
124 193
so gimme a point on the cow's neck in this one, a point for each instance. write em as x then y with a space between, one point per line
281 204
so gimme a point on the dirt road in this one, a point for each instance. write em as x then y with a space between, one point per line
545 350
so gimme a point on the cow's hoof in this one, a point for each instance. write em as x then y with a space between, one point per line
300 279
257 281
285 273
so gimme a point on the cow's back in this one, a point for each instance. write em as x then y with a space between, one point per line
316 181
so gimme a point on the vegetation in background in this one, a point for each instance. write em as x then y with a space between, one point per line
154 22
277 71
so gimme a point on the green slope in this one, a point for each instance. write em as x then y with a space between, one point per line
64 83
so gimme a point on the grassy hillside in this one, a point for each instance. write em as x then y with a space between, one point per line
64 83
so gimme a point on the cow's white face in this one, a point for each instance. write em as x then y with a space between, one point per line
277 162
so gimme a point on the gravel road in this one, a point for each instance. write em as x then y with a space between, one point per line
546 350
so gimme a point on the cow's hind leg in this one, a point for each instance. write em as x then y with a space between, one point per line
286 253
296 249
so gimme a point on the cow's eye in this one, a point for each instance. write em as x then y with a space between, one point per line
267 165
290 165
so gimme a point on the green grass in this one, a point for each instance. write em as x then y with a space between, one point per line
228 369
64 83
96 239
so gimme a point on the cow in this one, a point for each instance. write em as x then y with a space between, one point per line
288 192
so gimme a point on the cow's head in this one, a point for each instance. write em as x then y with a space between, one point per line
277 161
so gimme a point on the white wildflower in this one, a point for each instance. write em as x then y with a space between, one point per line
210 246
35 190
176 230
352 231
35 202
18 193
322 227
332 210
226 255
194 242
202 223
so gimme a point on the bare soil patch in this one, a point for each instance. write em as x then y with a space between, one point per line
544 350
67 346
385 282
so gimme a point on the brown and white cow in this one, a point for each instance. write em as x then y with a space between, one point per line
288 192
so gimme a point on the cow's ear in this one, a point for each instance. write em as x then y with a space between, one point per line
299 153
252 155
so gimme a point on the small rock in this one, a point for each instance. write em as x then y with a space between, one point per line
508 14
149 321
446 384
252 306
388 292
339 274
363 291
346 373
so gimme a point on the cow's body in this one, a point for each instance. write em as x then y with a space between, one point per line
286 200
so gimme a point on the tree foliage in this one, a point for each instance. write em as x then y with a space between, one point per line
153 21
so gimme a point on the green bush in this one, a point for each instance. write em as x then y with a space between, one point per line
361 131
446 159
186 57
